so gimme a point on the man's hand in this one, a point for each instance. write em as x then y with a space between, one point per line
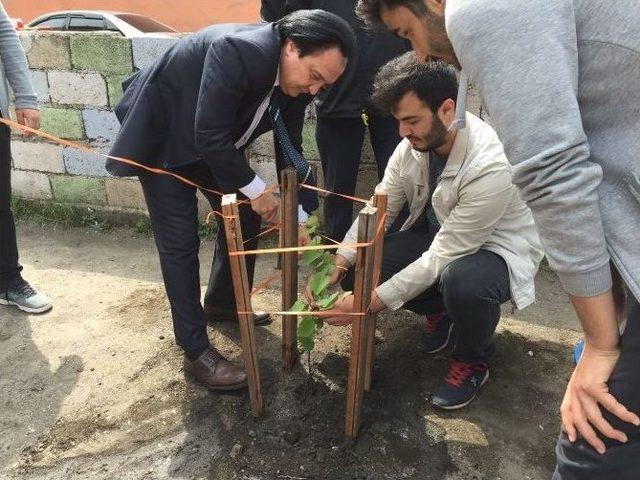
345 305
267 206
587 390
341 265
29 118
342 306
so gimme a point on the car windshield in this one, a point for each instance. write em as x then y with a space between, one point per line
143 24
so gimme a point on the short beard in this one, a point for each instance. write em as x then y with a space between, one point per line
435 137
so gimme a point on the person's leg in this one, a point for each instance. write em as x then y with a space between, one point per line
340 145
385 137
9 266
173 211
578 460
219 300
473 287
14 290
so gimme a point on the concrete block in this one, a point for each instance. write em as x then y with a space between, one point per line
106 53
33 185
40 84
124 193
263 146
77 88
309 146
26 39
62 122
265 168
78 162
69 189
114 88
147 49
44 157
100 125
48 51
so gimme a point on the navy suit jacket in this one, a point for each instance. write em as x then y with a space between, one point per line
196 100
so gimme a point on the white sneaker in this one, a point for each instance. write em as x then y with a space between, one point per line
26 299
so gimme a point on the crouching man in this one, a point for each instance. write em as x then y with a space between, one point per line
469 243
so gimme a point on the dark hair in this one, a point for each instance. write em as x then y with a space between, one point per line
316 30
432 82
369 10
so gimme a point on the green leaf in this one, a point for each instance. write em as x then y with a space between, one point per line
309 258
327 268
307 327
306 343
327 302
299 306
319 283
312 224
319 322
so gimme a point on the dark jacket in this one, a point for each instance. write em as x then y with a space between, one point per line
196 100
351 93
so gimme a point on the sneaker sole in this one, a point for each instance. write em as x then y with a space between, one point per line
461 405
441 347
26 309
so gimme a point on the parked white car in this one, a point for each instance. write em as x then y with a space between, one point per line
128 24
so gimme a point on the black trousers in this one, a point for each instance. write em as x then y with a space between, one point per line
173 210
9 267
470 290
579 460
340 145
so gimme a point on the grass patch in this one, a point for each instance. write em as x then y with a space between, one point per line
52 213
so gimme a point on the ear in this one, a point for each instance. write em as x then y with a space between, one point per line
435 6
290 48
447 111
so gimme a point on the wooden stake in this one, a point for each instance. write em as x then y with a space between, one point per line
289 238
240 278
359 327
380 202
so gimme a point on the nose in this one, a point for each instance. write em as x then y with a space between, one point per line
404 130
421 52
315 88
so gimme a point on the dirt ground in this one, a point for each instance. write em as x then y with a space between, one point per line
94 389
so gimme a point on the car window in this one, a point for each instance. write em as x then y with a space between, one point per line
84 23
51 23
144 24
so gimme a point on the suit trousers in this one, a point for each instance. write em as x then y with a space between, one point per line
173 210
9 267
578 460
340 146
470 290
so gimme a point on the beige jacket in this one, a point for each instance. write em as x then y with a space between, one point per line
477 206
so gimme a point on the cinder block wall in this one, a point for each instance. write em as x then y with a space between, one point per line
78 80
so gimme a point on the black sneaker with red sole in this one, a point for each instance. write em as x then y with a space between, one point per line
461 385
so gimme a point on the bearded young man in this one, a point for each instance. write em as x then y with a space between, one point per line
469 243
560 81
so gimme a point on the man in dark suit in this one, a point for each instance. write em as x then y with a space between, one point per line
192 113
344 111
